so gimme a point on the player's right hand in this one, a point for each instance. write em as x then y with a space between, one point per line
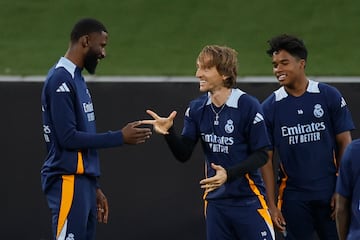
132 134
277 219
161 124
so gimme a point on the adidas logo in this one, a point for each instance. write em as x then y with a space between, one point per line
63 88
187 113
258 118
343 103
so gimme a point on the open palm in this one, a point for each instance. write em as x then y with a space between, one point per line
161 124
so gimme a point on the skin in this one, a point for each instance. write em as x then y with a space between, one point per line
86 53
210 80
342 210
290 72
269 181
102 207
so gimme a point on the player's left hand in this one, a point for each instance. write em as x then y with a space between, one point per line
102 207
212 183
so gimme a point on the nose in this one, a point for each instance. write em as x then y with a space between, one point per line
103 53
198 73
276 68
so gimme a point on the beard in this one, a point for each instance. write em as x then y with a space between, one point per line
90 62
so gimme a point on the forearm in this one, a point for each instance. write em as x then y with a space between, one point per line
342 226
342 140
180 146
253 162
267 172
79 140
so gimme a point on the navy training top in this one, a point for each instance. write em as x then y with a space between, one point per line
348 185
303 129
227 140
69 125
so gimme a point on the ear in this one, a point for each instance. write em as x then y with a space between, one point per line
302 63
84 40
224 77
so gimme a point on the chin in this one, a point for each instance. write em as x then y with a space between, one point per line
202 89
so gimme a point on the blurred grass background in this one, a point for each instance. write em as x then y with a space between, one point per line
163 37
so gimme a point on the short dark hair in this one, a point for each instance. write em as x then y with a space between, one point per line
291 44
86 26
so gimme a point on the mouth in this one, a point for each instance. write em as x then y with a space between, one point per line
202 82
281 76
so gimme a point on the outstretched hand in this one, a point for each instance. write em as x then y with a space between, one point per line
132 134
161 124
212 183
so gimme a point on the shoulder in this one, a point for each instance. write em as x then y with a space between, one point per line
349 159
59 79
60 76
273 98
240 98
200 101
196 105
328 89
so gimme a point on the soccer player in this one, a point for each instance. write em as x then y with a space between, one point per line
309 125
70 173
348 194
232 131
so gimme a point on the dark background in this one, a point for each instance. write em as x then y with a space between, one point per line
151 195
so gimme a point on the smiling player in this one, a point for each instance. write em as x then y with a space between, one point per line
309 125
231 128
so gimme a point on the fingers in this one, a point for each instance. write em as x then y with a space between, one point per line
106 213
278 220
102 214
102 207
210 184
216 167
135 123
141 137
152 122
153 114
172 115
279 225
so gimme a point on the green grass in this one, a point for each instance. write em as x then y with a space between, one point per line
163 37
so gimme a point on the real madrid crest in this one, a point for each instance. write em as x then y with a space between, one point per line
318 111
229 127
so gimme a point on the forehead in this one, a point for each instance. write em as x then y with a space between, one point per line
99 36
205 60
282 55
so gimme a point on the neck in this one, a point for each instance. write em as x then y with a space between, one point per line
220 96
75 56
298 88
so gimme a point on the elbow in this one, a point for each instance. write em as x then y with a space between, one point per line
66 141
